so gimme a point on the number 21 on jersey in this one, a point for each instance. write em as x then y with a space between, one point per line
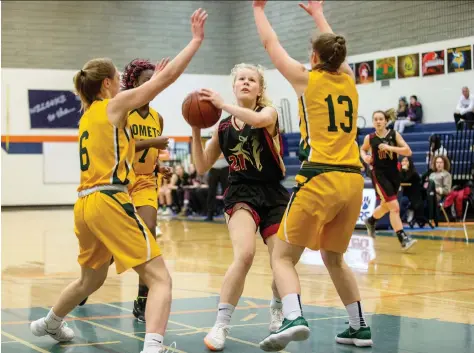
237 162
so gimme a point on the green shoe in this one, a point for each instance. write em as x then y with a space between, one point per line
361 337
290 330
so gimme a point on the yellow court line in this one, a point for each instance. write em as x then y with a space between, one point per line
119 332
28 344
251 304
89 344
198 329
193 332
388 291
249 317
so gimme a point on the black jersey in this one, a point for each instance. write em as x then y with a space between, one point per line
252 153
384 161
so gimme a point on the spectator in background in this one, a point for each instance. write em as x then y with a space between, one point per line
439 185
415 114
165 199
402 111
195 193
464 110
179 179
219 173
441 176
411 186
436 148
455 200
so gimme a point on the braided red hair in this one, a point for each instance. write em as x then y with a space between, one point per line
133 70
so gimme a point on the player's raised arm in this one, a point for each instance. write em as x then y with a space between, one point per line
137 97
293 71
315 10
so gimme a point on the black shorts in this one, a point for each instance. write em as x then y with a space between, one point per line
386 185
266 202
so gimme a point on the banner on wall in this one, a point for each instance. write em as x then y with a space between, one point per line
364 72
369 200
459 59
409 65
386 69
432 63
50 109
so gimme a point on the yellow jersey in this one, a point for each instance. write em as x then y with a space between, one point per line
106 152
144 128
328 112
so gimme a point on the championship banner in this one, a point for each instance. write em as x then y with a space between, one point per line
52 109
459 59
386 69
364 72
409 66
432 63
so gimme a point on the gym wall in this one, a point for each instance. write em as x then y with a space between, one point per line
44 43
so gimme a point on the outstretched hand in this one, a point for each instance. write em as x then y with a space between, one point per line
161 65
312 7
259 4
211 96
198 19
161 142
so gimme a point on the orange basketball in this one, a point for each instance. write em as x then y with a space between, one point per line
198 113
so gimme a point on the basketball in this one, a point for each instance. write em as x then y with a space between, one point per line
198 113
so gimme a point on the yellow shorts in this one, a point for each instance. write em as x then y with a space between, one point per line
145 191
106 224
323 209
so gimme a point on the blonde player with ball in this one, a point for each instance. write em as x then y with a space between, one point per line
250 140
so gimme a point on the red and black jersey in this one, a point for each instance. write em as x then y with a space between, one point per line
252 153
384 161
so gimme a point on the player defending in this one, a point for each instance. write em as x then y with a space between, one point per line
147 128
325 204
386 146
105 220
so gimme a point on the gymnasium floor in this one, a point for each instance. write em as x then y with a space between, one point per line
422 301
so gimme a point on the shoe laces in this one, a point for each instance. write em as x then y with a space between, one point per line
169 348
221 327
277 314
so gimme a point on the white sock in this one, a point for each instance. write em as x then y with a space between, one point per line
356 315
224 313
276 303
292 306
52 320
153 343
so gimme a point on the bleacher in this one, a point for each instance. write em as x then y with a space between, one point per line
459 146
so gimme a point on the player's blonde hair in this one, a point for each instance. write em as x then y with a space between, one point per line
88 81
262 99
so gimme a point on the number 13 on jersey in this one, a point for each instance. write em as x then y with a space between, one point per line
349 111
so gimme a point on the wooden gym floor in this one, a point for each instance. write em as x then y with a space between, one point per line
421 301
